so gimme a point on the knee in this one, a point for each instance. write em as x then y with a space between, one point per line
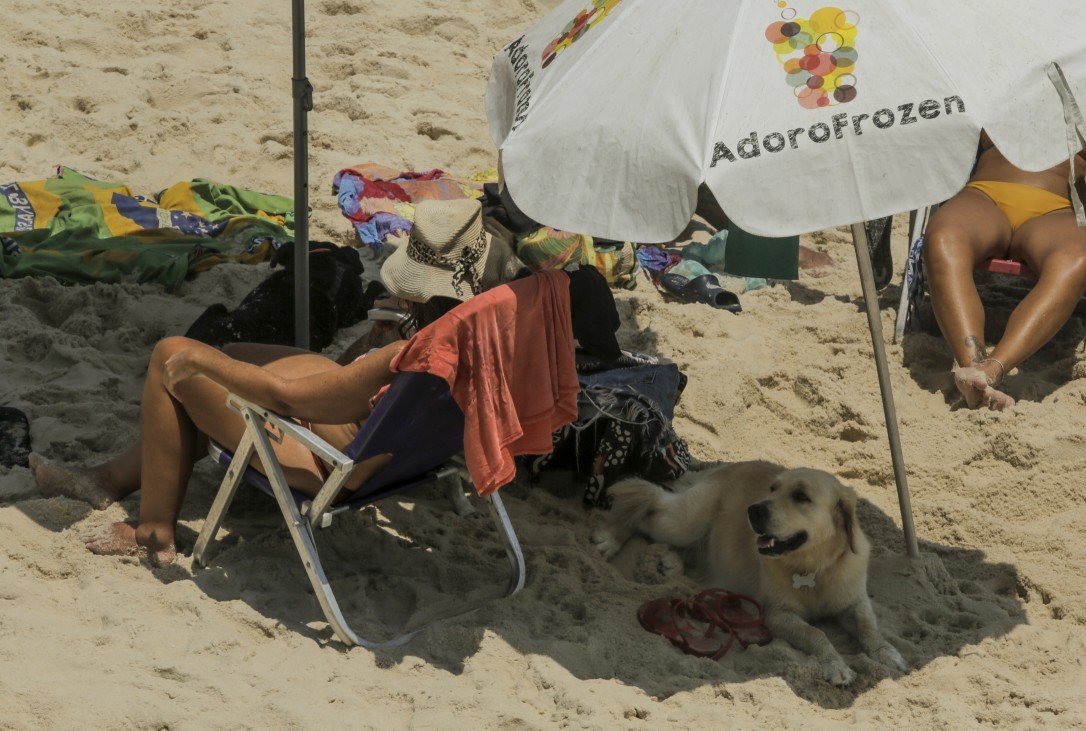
945 245
1068 264
167 347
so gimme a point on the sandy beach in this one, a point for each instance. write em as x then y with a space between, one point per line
990 618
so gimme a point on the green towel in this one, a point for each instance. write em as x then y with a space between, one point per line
747 255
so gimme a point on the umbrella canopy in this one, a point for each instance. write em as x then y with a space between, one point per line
798 115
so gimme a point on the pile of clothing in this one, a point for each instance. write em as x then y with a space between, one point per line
380 203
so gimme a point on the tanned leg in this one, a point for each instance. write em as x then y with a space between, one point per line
965 231
168 448
100 485
1055 248
173 436
103 484
172 439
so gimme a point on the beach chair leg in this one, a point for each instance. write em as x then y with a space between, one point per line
235 473
302 533
478 598
918 221
256 440
512 545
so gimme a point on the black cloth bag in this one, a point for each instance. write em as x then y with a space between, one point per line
337 299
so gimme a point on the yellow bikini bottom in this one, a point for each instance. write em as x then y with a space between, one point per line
1020 203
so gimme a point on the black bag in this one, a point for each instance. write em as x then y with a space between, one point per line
266 315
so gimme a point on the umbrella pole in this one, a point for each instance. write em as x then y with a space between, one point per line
302 91
871 300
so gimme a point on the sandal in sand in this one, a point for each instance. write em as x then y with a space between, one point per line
697 625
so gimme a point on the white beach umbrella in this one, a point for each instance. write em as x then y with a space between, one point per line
797 114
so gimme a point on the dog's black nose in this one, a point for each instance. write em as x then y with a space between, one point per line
758 515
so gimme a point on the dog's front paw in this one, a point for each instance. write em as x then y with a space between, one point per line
889 656
606 542
840 674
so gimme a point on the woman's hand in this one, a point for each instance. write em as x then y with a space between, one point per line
178 367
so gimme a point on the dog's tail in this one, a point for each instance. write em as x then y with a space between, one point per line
635 500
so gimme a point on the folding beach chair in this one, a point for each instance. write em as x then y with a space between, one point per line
416 426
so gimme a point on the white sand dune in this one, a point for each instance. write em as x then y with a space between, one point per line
990 618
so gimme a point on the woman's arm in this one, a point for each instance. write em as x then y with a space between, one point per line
334 396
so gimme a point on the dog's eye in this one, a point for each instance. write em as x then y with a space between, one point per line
773 487
800 497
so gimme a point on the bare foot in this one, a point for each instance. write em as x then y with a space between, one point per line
973 384
997 400
74 482
119 539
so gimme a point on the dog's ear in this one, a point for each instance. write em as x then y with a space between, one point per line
846 513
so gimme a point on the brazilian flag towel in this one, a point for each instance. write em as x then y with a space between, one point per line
78 229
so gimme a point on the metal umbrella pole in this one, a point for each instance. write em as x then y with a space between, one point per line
302 91
871 300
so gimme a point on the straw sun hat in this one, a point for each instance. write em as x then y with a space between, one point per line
448 254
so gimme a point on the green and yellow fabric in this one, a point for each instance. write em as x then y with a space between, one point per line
550 248
79 229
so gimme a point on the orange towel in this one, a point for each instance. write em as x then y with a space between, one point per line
507 355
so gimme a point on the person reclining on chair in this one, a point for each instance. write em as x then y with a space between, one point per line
445 261
1004 213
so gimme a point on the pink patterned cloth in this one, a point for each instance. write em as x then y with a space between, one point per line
380 200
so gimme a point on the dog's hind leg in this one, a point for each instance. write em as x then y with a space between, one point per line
632 501
677 519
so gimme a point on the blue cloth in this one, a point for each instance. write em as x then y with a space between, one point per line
658 383
653 258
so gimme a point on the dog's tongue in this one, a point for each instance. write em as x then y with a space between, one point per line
766 541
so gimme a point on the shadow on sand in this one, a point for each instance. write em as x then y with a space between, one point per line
391 562
396 560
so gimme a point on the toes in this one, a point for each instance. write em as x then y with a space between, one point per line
111 539
889 656
670 564
158 559
997 400
840 674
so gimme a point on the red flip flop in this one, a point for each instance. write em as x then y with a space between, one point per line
743 614
687 624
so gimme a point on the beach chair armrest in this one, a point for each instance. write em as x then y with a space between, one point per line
277 426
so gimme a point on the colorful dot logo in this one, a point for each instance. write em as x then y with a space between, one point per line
818 54
586 19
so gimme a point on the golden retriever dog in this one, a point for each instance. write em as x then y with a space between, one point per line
790 538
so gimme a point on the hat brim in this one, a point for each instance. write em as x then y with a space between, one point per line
414 281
